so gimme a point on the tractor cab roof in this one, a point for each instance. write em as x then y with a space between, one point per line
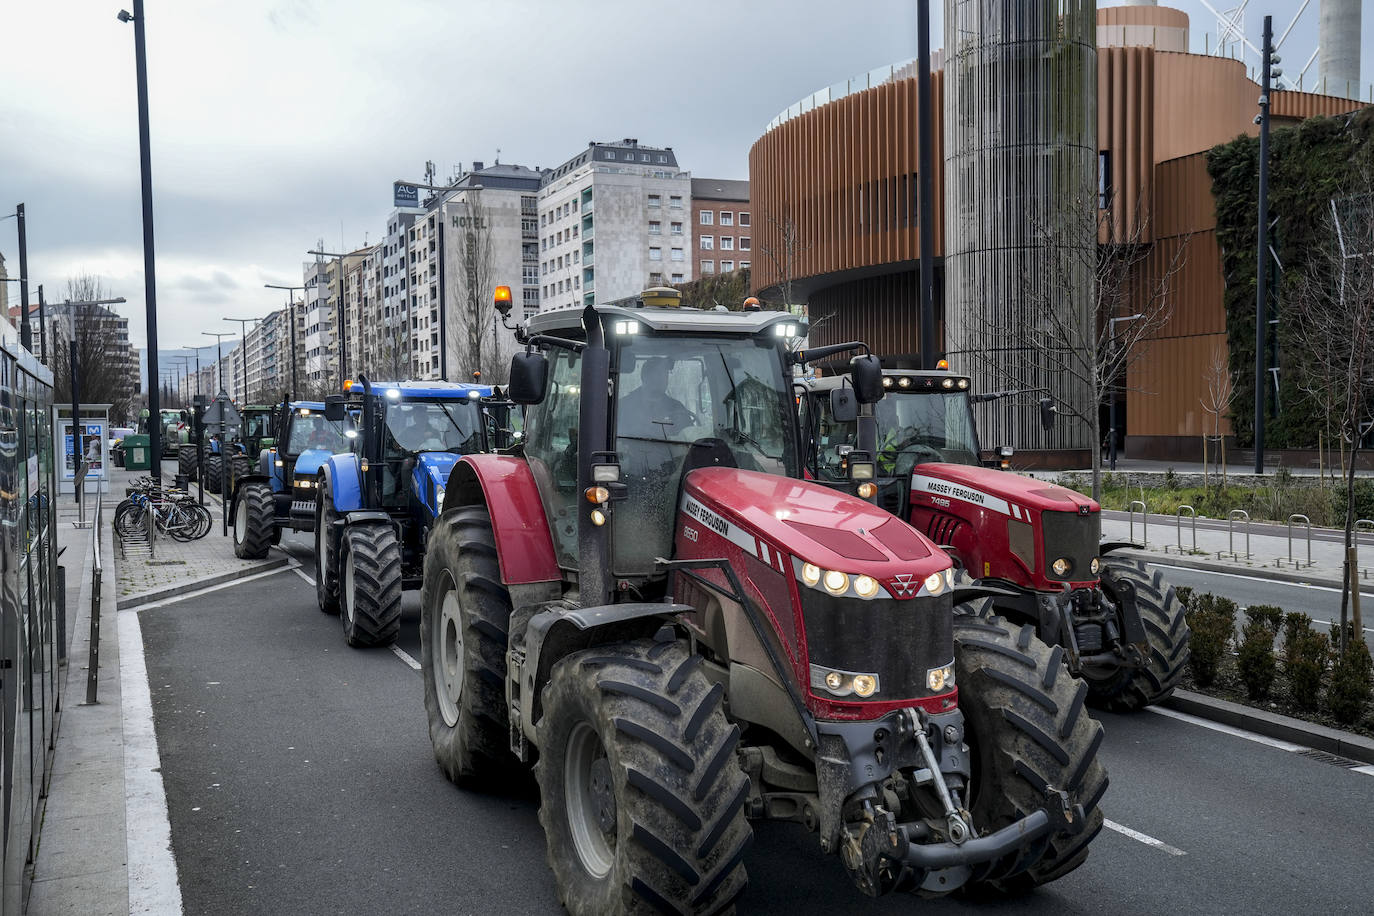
307 405
899 381
680 320
424 390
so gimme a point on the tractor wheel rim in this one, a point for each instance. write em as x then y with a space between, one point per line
241 522
348 591
590 799
450 670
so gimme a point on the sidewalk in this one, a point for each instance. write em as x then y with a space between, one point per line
104 844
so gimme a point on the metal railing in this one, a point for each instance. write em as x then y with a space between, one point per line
1231 518
1144 523
1297 564
1178 525
97 573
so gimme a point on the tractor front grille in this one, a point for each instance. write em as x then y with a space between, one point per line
1072 535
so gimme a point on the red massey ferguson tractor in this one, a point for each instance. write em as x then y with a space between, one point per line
1118 626
650 606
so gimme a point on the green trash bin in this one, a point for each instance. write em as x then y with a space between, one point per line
138 453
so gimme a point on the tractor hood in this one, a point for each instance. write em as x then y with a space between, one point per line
436 465
997 491
814 523
309 462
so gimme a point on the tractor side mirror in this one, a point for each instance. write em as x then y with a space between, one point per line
528 374
334 409
1047 413
866 374
844 407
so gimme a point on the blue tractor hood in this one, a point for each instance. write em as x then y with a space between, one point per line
431 474
310 461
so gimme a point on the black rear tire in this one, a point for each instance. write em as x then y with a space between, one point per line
642 800
214 473
370 591
326 552
1027 729
1166 630
253 521
186 463
239 467
464 618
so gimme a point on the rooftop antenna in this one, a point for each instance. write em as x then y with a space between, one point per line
429 171
498 155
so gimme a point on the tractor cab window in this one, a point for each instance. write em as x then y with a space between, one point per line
257 425
672 392
434 426
313 431
551 449
913 428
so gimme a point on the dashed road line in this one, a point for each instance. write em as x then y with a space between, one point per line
1143 838
404 656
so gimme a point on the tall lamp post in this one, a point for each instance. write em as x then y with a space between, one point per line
1111 387
243 345
343 337
219 356
291 319
1262 253
25 329
196 350
146 173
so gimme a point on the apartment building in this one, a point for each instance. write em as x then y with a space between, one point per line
394 338
319 358
722 220
613 219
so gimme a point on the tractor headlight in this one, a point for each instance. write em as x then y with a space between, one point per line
1062 566
598 517
811 574
963 384
439 496
887 381
941 678
843 683
904 382
947 383
1095 566
865 586
949 577
278 462
935 583
836 582
862 470
865 684
867 490
834 680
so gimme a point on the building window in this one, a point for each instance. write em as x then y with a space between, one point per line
744 243
743 265
708 217
727 266
675 202
608 154
727 243
655 227
655 254
727 218
1104 179
662 158
708 267
743 218
675 228
655 201
643 157
708 242
655 279
677 278
677 254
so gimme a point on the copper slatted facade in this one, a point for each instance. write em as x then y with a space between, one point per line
1021 171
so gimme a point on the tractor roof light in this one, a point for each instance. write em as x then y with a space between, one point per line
348 384
502 295
963 384
393 394
474 394
351 433
627 327
887 381
861 470
602 473
942 364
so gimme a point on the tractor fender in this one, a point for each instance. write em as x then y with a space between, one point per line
504 484
345 479
364 515
1108 546
560 631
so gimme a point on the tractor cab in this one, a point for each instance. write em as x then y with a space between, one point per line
304 440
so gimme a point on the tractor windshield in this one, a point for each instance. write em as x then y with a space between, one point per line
435 426
913 428
257 424
673 391
310 430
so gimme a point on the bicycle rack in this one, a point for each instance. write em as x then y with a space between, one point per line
1297 564
1368 524
1231 518
1178 524
1144 523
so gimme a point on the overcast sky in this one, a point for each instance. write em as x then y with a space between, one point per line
278 123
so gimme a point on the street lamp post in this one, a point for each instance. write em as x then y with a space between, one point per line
343 337
146 174
1111 387
25 329
219 357
197 352
291 319
1262 253
243 345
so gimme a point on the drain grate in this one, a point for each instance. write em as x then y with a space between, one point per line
1333 759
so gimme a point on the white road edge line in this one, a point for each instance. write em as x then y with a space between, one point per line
404 656
1143 838
1227 729
1209 572
153 886
301 572
291 564
1366 770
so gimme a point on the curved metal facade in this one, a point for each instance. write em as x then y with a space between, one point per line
1021 172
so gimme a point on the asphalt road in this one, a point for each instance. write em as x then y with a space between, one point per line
299 779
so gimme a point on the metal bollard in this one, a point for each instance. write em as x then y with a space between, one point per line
1308 523
1144 525
97 567
1231 518
1178 526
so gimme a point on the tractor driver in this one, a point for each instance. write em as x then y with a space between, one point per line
649 410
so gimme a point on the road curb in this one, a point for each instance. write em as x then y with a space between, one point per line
135 601
1274 725
1252 572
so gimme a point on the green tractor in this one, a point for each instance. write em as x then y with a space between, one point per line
244 443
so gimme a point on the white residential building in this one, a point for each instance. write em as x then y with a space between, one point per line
613 220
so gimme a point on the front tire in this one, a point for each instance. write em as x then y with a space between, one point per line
253 523
326 552
1166 630
214 473
642 800
464 617
370 594
1027 729
186 463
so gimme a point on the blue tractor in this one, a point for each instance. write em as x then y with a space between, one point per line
375 505
280 491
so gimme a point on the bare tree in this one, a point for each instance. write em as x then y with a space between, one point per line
1131 302
392 358
475 326
781 246
1216 402
104 359
1333 326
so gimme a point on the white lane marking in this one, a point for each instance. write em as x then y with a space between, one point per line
1143 838
153 886
1368 770
301 572
1208 572
405 657
1227 729
211 588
